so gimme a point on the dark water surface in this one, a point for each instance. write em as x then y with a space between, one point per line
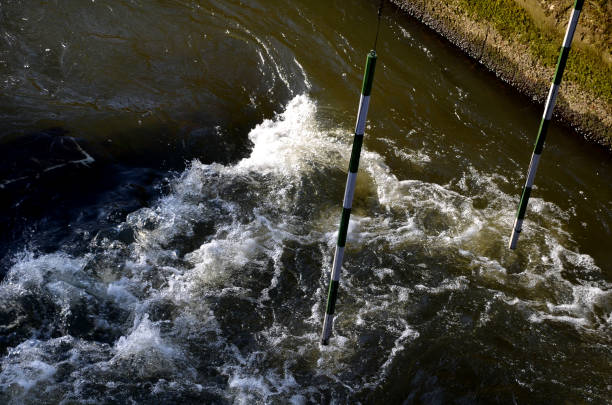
171 178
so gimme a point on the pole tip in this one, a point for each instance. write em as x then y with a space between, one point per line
324 342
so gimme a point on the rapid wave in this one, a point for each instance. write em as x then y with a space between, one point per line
216 291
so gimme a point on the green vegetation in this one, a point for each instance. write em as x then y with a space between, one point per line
584 67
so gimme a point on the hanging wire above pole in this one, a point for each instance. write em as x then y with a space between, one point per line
380 9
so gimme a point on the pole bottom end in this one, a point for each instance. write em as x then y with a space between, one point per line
514 239
324 342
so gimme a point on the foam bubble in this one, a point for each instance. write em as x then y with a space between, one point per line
284 144
146 352
26 375
36 271
120 292
143 338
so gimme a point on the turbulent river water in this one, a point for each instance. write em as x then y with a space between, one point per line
171 181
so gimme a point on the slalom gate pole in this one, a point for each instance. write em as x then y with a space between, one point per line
349 191
548 110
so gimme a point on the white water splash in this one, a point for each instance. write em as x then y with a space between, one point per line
251 213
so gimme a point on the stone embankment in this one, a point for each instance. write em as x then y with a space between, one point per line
519 41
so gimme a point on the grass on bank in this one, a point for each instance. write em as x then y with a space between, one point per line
584 66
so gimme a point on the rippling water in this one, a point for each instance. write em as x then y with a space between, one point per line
171 181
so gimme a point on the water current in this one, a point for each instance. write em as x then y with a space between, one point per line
171 180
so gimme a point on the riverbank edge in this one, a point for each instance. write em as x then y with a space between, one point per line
511 61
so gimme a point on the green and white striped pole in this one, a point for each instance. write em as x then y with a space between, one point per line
349 191
548 109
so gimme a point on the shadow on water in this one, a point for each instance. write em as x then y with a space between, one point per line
59 190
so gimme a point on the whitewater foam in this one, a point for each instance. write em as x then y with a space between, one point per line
227 274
